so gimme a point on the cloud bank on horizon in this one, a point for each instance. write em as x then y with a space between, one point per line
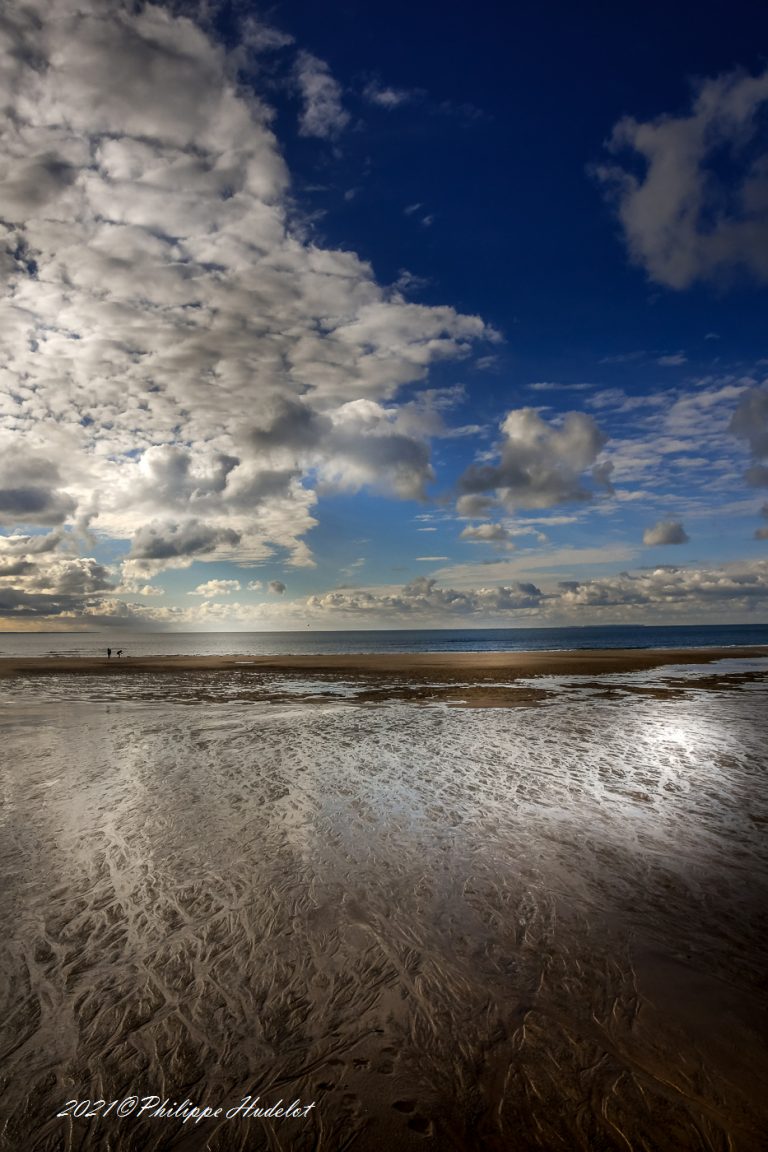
205 398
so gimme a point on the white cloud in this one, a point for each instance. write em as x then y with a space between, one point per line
691 431
38 584
38 578
538 465
258 37
665 532
135 588
538 564
32 490
385 96
171 344
473 505
750 423
739 588
736 590
323 114
409 282
486 533
424 598
214 588
486 363
365 443
556 386
159 545
673 360
682 221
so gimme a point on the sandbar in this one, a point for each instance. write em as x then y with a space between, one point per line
412 665
456 679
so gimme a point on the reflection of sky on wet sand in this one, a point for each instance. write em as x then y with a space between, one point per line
403 902
253 685
671 675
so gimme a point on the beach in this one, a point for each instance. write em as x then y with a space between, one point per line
415 664
472 679
348 881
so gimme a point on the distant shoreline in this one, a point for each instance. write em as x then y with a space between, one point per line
412 665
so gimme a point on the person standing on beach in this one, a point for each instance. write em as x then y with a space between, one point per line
109 653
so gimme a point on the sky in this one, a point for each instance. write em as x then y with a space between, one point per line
352 315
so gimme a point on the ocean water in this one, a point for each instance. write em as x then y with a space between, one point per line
404 640
482 930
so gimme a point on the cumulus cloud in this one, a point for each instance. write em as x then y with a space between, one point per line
160 542
538 464
683 221
33 504
37 579
171 343
740 587
424 597
213 588
750 423
323 114
30 488
470 506
277 587
366 447
362 442
665 532
486 533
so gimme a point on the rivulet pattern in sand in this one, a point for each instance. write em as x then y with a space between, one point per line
519 928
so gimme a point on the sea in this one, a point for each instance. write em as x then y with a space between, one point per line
312 642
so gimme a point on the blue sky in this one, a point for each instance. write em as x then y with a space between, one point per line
359 316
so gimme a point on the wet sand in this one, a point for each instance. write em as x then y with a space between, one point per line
518 930
476 665
464 680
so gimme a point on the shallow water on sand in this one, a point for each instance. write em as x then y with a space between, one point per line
529 928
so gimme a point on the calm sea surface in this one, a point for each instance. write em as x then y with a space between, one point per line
403 640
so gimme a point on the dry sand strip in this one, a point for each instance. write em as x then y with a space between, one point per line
444 666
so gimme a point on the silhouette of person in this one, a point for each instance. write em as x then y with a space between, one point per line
119 651
109 653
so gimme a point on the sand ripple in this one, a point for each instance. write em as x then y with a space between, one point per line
532 928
